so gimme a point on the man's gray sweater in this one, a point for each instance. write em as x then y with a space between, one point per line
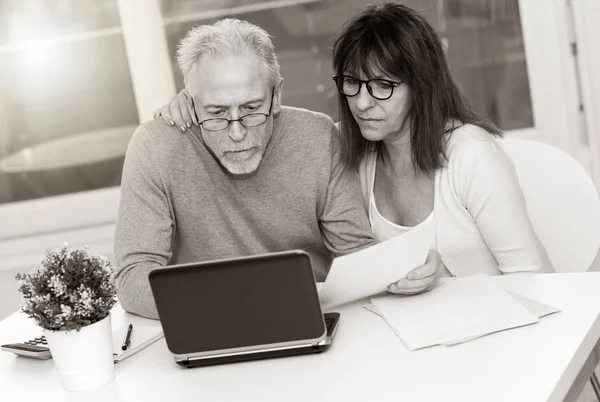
178 204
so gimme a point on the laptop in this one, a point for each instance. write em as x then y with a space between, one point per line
241 309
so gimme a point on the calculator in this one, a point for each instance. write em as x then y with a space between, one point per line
36 348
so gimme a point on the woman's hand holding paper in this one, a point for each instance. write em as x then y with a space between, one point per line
421 279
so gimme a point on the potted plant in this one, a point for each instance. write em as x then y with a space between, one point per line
70 297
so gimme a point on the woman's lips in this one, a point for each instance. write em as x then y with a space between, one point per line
369 120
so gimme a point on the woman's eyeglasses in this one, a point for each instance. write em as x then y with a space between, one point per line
379 88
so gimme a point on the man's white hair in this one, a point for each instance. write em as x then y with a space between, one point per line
226 36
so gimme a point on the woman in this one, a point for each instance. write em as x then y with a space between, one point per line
423 156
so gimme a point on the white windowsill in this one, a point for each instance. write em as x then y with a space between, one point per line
58 213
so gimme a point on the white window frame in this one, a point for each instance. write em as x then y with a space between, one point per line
552 79
586 15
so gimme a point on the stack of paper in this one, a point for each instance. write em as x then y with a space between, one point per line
456 311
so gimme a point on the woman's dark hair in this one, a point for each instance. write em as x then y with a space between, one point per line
396 40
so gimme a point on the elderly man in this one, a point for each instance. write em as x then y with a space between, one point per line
253 177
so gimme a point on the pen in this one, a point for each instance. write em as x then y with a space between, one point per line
127 340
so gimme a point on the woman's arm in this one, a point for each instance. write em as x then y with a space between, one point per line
489 189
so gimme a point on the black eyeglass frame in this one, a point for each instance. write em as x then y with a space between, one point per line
201 123
340 82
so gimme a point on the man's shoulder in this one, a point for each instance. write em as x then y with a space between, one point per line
156 135
301 118
157 131
307 128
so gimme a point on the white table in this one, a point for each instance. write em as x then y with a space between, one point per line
366 362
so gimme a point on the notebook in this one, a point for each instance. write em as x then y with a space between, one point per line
454 312
142 336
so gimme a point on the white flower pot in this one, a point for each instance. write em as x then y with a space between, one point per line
84 359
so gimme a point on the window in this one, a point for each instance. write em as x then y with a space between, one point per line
77 77
67 108
484 40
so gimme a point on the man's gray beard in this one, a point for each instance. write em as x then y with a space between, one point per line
241 168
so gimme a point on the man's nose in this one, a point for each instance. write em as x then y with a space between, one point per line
364 100
237 132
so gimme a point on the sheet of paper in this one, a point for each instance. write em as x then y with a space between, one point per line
536 307
454 311
370 271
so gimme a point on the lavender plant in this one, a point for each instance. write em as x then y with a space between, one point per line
69 291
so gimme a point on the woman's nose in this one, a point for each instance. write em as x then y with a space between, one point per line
364 100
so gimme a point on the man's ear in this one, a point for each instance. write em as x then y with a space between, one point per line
277 96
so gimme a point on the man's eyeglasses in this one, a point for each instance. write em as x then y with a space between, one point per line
249 120
379 88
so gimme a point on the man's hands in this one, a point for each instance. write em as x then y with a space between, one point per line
421 279
178 112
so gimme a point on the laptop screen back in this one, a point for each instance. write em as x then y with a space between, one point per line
237 303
